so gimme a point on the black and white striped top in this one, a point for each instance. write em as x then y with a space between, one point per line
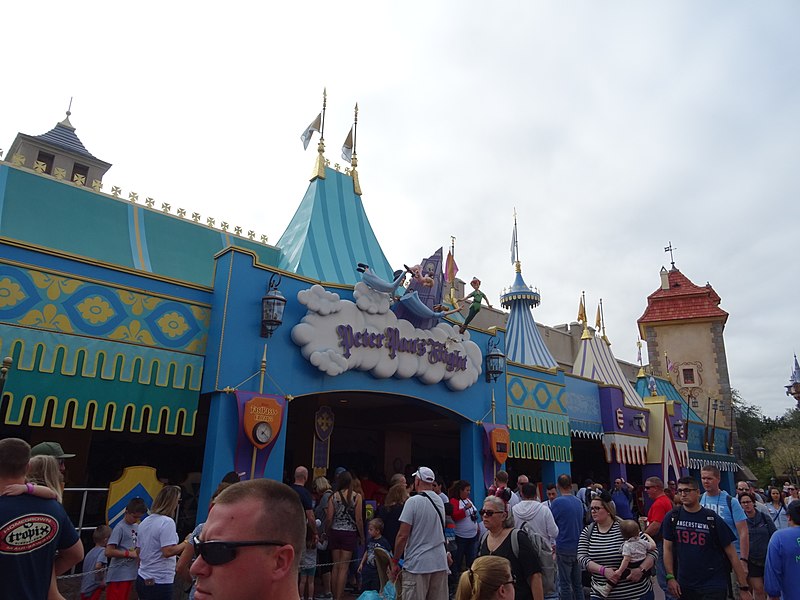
606 549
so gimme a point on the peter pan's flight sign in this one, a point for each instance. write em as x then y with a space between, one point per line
338 335
394 342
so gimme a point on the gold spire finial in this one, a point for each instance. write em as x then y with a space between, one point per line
582 317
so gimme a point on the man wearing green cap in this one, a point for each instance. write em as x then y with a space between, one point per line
53 449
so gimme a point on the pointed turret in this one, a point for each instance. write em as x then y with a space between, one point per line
59 153
793 389
524 345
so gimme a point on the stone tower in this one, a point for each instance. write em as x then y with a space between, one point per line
684 326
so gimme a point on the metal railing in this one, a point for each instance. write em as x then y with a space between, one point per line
81 528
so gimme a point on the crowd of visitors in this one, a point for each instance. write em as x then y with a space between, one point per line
413 537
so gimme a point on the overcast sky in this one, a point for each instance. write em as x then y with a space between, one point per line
612 127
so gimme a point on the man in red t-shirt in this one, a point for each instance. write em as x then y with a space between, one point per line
659 511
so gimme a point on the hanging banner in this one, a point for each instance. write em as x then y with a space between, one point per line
323 429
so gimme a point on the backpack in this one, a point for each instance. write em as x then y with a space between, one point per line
543 551
711 521
322 506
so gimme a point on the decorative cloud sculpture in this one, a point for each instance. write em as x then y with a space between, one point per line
337 335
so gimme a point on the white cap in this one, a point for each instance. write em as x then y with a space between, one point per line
425 474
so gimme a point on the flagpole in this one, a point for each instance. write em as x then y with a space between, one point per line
319 167
324 107
603 322
354 159
517 264
453 279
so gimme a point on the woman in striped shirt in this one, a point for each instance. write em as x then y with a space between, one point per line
600 553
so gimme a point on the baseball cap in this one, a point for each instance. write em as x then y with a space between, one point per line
339 471
53 449
425 474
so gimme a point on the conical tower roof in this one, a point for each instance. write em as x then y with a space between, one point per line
63 136
523 343
330 234
595 360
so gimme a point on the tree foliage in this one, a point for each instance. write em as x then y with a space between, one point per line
783 452
780 437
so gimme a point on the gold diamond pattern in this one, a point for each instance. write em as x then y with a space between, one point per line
39 166
60 173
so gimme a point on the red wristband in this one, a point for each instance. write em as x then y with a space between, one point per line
127 554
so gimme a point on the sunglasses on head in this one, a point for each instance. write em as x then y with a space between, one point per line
489 513
218 553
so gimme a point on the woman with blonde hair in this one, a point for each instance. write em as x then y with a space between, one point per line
158 545
489 578
390 512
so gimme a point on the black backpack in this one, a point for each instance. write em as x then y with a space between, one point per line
711 521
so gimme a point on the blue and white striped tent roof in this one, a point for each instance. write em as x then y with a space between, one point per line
524 345
330 233
596 361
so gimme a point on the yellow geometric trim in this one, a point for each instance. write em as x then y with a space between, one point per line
115 286
107 420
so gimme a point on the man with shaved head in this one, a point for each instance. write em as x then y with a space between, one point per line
299 486
251 544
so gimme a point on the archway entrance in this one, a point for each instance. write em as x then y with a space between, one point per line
376 434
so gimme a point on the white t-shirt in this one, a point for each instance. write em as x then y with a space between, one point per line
425 551
156 532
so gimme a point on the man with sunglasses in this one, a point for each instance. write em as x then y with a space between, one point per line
251 544
698 546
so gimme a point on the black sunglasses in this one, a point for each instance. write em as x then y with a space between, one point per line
218 553
490 513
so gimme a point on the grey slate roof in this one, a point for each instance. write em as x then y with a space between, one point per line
63 136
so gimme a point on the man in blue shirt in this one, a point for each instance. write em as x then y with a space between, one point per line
622 495
568 515
782 572
727 507
32 529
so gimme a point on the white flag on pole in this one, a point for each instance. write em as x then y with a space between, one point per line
347 147
306 136
514 245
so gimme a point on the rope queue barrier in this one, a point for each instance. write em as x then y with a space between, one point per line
104 569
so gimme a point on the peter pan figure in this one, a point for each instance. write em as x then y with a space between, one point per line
474 308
